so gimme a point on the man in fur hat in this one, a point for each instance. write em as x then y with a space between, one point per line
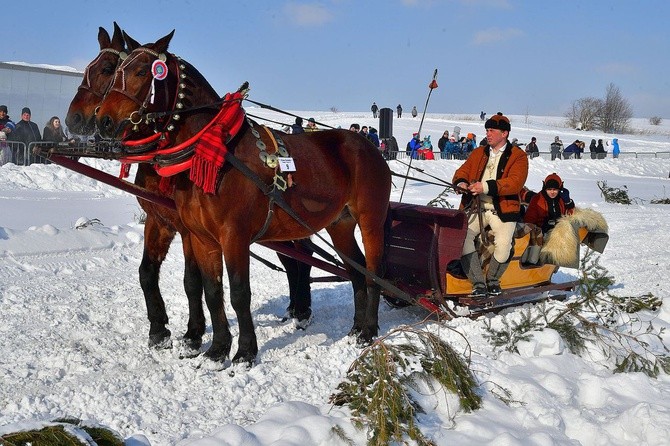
494 174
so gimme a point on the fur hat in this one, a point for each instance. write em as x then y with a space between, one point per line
553 181
25 110
498 121
4 108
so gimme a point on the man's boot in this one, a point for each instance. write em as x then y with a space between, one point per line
493 275
473 269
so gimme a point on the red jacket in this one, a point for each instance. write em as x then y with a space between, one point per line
538 211
510 178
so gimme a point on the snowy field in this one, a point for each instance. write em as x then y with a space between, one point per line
73 326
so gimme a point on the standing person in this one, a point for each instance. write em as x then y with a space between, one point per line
414 112
556 148
593 148
482 115
570 149
615 148
413 146
373 136
5 150
6 124
364 131
399 109
453 148
600 150
532 149
26 131
53 131
311 125
297 126
6 128
442 144
495 175
374 109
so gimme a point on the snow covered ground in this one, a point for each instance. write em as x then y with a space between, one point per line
73 327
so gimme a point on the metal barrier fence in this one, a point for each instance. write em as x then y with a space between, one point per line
402 155
24 156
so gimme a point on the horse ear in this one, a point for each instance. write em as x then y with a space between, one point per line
117 38
162 44
131 43
103 38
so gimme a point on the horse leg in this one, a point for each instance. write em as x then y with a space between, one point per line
208 256
298 275
157 239
342 234
236 254
373 225
193 287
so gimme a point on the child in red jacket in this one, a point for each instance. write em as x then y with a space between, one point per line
550 204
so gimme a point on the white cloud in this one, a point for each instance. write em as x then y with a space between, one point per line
495 35
307 14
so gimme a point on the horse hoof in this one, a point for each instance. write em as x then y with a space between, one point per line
302 322
189 348
160 340
365 338
246 359
192 343
216 355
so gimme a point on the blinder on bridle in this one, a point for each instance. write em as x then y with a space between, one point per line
159 73
87 87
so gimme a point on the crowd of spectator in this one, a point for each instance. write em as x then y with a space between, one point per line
26 131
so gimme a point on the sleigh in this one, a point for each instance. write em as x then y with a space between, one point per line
423 251
425 247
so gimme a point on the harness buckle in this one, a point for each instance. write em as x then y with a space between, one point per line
279 182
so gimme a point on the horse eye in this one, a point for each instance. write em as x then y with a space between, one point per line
108 71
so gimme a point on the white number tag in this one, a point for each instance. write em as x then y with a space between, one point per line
286 164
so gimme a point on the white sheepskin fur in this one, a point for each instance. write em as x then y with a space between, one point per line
561 247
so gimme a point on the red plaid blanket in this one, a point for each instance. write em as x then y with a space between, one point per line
210 149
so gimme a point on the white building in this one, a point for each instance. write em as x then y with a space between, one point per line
47 90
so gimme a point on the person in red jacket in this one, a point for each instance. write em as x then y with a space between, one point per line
495 173
550 204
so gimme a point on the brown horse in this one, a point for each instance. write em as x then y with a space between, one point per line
340 180
161 224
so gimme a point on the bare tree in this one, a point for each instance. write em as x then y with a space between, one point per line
584 111
616 112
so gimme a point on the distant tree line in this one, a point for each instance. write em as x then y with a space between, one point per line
610 115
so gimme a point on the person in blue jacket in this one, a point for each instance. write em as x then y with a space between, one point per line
615 148
572 149
413 146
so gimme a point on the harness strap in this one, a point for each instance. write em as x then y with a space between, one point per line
388 286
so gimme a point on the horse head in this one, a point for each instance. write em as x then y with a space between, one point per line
97 79
151 90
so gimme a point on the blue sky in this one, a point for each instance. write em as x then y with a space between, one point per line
518 57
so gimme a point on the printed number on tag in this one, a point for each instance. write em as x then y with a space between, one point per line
286 164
